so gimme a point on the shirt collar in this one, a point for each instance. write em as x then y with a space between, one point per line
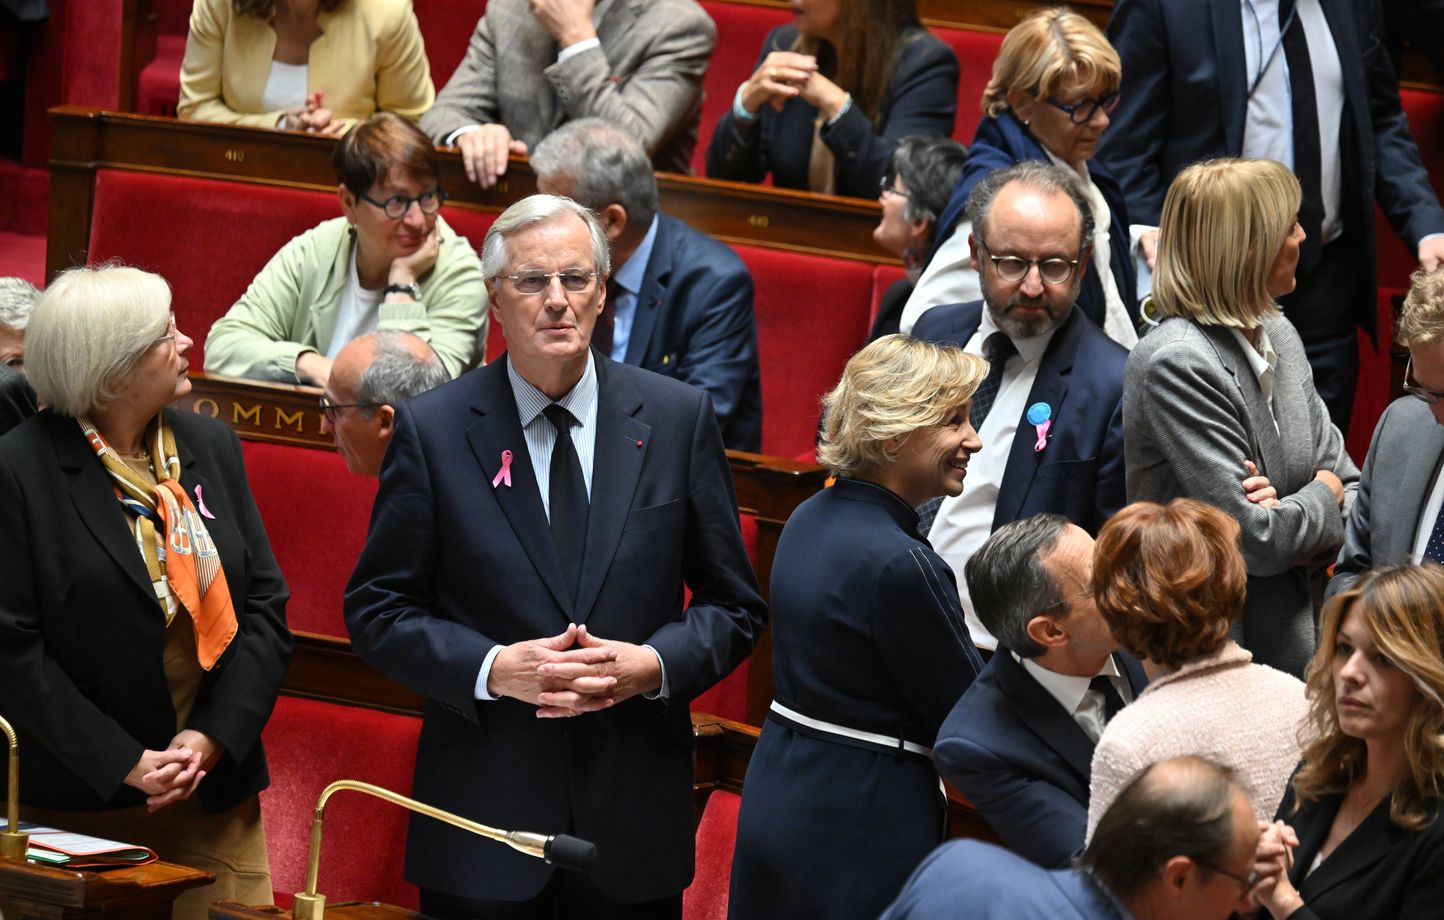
1067 689
1031 348
1262 359
629 276
530 401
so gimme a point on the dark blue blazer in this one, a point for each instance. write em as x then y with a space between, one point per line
694 322
1185 93
1080 473
921 98
983 882
453 567
867 633
1022 760
1002 142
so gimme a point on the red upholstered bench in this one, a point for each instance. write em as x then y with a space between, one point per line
976 51
311 744
207 238
706 897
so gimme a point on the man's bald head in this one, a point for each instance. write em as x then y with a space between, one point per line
370 377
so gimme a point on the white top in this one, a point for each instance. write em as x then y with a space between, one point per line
357 311
1264 362
1074 694
1117 324
964 522
285 87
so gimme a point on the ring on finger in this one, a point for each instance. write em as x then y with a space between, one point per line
772 74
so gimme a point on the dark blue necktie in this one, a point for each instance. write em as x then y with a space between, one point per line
567 497
1434 549
1112 699
1308 160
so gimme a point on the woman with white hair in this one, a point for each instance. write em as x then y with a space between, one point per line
869 648
1219 402
142 616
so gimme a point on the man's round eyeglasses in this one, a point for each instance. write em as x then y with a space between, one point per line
1082 111
333 409
396 206
574 280
1247 881
1413 389
1014 268
886 186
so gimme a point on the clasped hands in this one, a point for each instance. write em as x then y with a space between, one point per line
311 118
171 775
785 75
1272 859
573 673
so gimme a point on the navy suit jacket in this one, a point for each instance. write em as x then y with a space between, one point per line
983 882
694 322
1080 473
1022 760
1184 99
454 566
1002 142
921 98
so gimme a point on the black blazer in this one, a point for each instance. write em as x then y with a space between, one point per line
81 675
1022 760
1079 474
1379 872
17 400
921 98
694 322
1185 96
454 567
867 633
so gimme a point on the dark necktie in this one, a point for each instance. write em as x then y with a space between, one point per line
567 497
997 348
1434 549
1112 700
606 323
1308 162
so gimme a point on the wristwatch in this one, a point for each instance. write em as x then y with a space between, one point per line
410 289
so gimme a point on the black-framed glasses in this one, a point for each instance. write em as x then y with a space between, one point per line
1013 269
887 185
333 409
1082 111
1247 881
574 280
396 206
1413 389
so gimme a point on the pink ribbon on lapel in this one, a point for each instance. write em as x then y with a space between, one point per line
505 474
201 505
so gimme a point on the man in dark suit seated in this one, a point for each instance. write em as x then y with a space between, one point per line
1019 743
1050 413
1398 514
1177 844
678 302
17 400
535 527
370 377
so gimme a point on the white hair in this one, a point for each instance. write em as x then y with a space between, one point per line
539 209
17 299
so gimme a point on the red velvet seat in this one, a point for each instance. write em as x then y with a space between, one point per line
446 27
976 50
706 897
311 744
741 29
157 86
316 514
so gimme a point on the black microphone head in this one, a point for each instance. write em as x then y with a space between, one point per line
567 852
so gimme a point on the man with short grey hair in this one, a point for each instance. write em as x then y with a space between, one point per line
1177 844
1050 412
1019 743
17 299
370 377
678 302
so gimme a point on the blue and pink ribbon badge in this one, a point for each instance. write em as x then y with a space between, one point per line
504 476
1040 416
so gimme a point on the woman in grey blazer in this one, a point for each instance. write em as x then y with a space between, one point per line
1219 401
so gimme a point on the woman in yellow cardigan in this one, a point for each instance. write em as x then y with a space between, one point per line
307 65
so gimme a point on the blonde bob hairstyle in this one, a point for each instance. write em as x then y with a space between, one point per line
1402 606
1421 322
88 330
893 387
1223 224
1050 50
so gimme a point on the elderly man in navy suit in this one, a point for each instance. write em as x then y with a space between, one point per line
536 524
678 302
1019 743
1177 844
1307 83
1050 412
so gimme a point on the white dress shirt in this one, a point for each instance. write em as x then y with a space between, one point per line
1074 694
1264 362
965 521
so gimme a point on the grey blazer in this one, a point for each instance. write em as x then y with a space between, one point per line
1404 457
646 76
1192 414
